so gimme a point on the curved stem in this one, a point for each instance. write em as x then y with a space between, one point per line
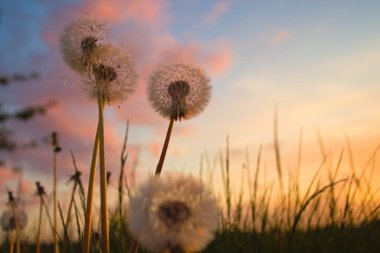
103 181
164 148
160 164
90 194
66 225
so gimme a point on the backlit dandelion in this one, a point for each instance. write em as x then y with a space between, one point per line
174 213
108 76
10 220
179 91
79 42
113 75
111 79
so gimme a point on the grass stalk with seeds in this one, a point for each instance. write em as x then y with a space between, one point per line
56 149
40 193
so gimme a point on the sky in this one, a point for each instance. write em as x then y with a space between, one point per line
317 62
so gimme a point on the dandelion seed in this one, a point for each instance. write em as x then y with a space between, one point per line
79 42
179 91
112 76
174 213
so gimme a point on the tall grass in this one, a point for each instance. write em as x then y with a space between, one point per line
334 213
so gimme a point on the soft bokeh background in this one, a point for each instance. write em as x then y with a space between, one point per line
318 61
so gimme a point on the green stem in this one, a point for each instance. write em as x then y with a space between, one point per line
103 181
90 194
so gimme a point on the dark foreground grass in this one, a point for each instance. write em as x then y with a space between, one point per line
359 239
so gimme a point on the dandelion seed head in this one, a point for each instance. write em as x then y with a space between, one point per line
79 41
112 76
173 212
9 221
179 91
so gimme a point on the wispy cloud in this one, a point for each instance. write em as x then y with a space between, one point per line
280 37
217 11
141 11
143 28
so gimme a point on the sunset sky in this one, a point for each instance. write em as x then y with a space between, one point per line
318 61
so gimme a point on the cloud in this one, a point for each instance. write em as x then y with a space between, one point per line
217 11
7 176
220 59
141 11
279 37
142 27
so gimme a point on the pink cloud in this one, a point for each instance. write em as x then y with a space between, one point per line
155 148
280 36
217 11
150 43
141 11
184 131
215 57
220 60
7 176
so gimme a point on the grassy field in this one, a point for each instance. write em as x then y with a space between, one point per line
332 215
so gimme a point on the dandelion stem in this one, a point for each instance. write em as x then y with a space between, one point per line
12 241
90 193
160 164
17 229
164 148
39 226
56 248
18 239
103 181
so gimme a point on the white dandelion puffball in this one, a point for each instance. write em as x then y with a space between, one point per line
9 221
113 75
79 41
173 213
179 91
